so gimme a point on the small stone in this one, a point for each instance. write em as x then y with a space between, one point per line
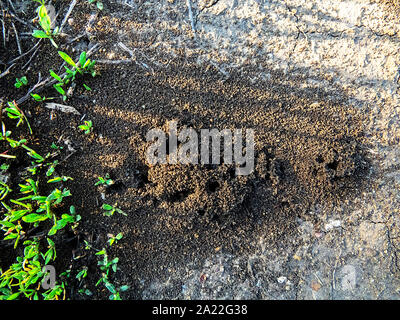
333 224
315 285
203 277
282 279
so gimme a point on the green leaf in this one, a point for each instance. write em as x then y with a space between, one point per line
52 231
115 260
67 58
11 236
24 80
72 210
7 224
61 224
50 242
39 34
101 252
123 288
13 296
114 267
53 43
59 89
42 12
110 287
34 217
49 255
56 179
45 21
37 97
20 82
50 171
82 58
55 76
107 207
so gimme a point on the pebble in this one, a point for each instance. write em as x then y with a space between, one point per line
333 224
282 279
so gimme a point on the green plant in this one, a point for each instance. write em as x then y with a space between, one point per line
4 190
114 239
4 167
105 266
19 82
50 253
22 278
59 179
45 23
99 4
13 112
83 66
85 292
39 98
105 181
56 147
109 210
87 126
82 274
27 272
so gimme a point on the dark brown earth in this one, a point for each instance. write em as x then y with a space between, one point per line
309 150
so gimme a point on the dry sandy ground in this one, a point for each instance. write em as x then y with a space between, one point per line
354 44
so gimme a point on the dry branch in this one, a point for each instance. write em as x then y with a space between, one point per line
7 71
71 7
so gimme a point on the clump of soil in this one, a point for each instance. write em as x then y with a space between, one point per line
308 150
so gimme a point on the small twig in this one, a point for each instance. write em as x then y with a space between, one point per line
125 48
4 34
12 5
1 108
7 71
105 61
4 30
133 56
24 54
30 59
189 5
20 20
76 38
17 38
71 7
68 156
